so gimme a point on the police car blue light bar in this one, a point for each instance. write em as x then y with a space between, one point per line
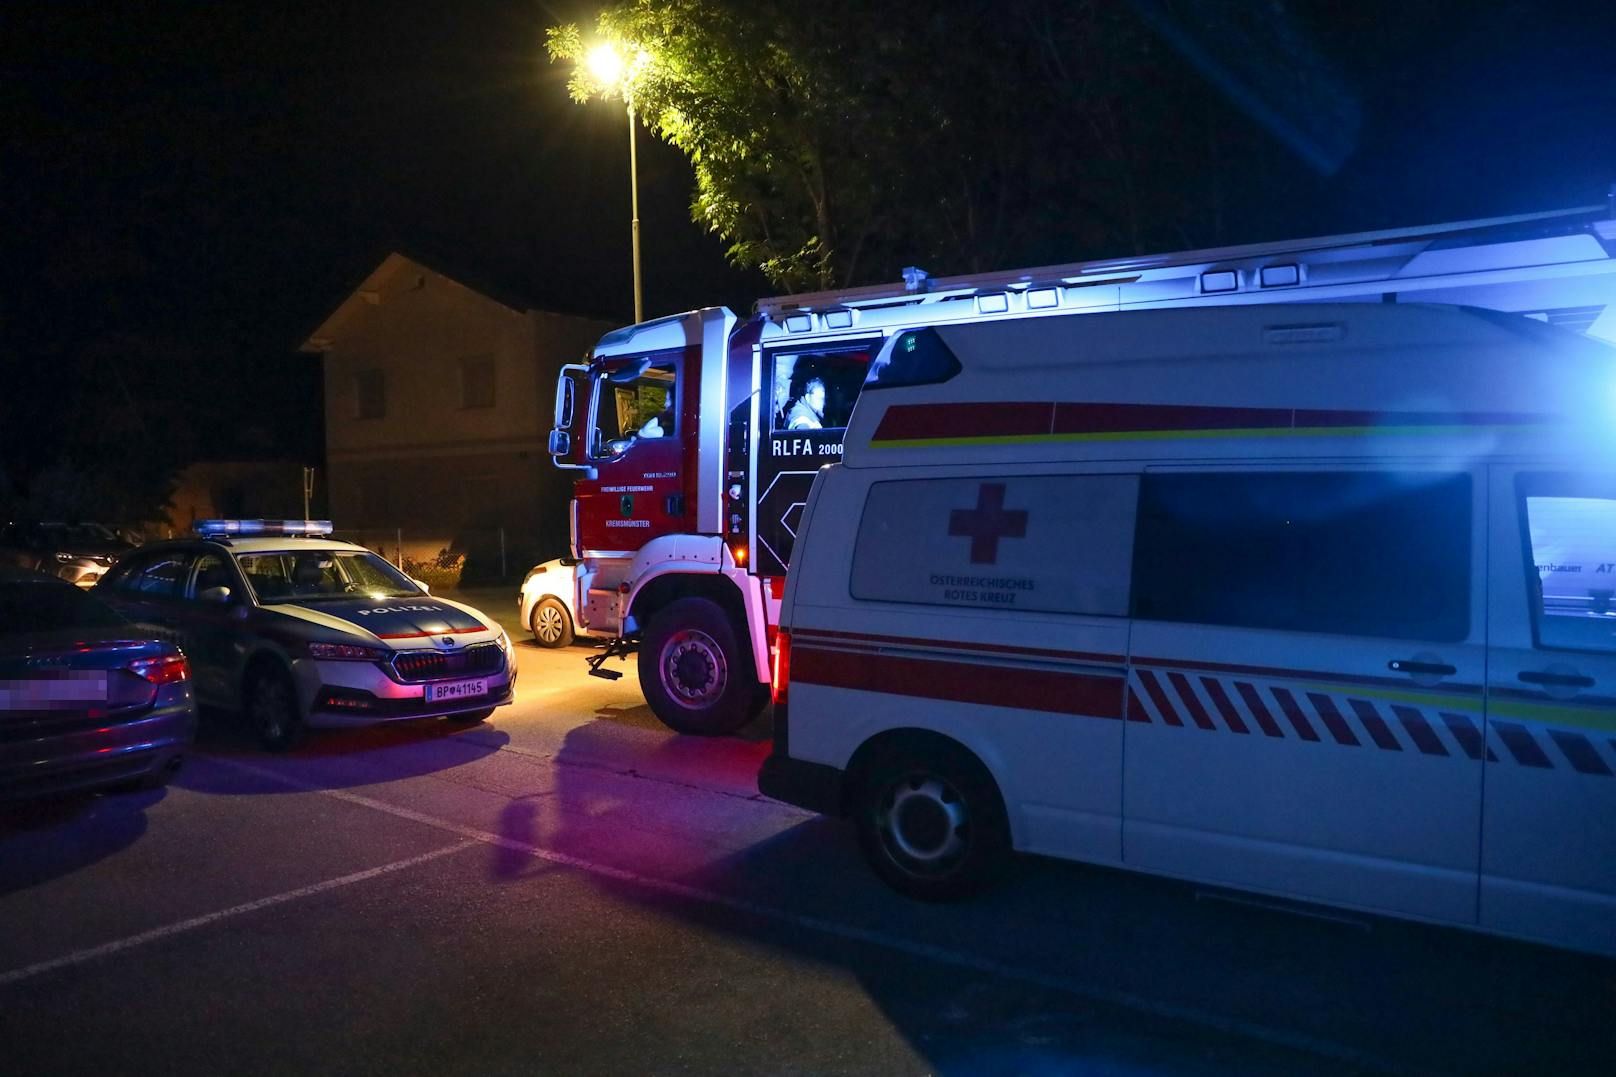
213 528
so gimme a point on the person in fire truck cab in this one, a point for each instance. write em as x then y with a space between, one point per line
658 425
808 413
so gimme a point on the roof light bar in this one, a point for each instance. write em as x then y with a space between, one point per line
213 528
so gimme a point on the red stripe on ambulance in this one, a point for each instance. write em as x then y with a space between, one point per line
1089 695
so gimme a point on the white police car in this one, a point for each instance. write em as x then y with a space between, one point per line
297 630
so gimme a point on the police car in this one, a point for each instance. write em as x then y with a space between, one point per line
298 631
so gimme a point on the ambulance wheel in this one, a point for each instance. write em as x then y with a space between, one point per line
271 705
551 625
694 670
931 821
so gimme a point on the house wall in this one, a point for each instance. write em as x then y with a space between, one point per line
431 474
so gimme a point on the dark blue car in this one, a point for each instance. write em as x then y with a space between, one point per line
86 700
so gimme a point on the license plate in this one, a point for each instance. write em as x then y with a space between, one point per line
456 690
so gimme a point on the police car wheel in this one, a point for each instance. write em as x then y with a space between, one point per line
931 822
694 671
272 710
550 623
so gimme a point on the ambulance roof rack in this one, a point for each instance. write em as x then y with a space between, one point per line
918 287
224 529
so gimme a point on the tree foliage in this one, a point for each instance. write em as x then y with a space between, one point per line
837 144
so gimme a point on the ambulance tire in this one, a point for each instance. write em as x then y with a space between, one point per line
931 821
695 671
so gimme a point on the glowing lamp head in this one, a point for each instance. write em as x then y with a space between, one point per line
606 65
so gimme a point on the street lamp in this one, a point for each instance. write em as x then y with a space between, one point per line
606 65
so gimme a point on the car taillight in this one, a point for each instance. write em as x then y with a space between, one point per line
164 670
782 667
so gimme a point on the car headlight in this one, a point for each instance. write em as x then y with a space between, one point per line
64 558
347 652
504 641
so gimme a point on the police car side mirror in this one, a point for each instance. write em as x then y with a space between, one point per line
425 590
214 594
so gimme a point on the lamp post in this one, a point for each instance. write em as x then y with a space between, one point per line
607 67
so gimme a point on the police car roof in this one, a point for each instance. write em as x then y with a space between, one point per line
286 544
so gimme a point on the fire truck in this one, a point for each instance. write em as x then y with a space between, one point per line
695 437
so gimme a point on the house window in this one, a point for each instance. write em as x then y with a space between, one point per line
477 382
370 394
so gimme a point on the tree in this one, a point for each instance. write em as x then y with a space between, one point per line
837 148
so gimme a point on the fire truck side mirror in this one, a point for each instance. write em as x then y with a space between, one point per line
630 372
560 443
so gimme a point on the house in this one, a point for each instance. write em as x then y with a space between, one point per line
438 404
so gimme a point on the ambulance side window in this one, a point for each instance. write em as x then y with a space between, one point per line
1569 523
1361 554
1045 543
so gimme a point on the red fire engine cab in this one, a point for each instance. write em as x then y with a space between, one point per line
695 437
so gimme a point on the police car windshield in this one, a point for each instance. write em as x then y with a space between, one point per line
301 576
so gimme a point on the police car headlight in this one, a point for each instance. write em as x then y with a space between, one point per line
347 652
504 641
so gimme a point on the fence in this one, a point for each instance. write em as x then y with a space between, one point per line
472 556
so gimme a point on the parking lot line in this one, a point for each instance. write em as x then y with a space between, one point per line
911 947
78 957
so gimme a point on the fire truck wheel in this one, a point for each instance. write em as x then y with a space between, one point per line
551 625
931 821
694 671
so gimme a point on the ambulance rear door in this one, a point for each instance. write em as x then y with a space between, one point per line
988 607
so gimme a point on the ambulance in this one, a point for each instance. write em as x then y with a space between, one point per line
1315 601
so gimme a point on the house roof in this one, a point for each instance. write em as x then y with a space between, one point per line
394 265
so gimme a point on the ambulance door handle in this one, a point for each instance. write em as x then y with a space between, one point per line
1407 665
1558 680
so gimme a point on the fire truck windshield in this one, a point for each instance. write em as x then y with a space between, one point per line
630 406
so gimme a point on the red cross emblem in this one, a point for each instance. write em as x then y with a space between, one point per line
986 524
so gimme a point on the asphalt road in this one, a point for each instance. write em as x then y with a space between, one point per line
571 888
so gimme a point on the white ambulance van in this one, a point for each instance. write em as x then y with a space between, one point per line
1314 601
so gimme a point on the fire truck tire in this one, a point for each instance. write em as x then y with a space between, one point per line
695 672
931 821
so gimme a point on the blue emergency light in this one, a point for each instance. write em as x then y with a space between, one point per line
243 528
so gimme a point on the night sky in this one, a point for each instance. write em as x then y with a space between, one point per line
189 189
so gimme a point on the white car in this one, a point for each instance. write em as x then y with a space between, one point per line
546 601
